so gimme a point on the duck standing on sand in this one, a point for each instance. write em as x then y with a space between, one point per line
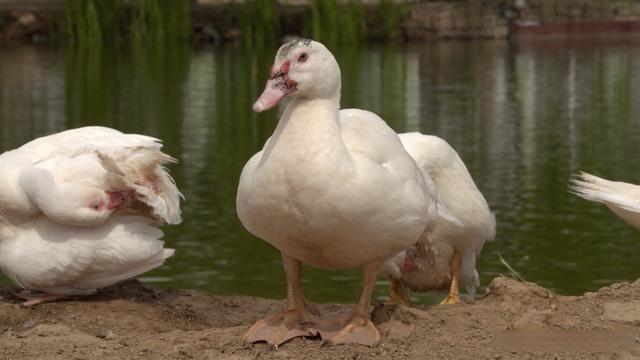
620 197
80 209
331 188
447 255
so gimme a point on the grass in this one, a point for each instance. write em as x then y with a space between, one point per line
514 274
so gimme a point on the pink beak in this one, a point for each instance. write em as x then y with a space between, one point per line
278 86
270 97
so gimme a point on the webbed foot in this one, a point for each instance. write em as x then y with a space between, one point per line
31 299
278 329
451 300
358 330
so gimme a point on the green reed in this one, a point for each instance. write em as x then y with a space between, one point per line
387 18
514 274
353 25
259 22
337 24
153 20
324 21
92 20
160 20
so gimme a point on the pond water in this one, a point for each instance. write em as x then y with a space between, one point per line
524 116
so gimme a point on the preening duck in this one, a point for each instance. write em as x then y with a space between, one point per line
80 210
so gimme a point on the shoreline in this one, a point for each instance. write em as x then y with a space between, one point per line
218 21
136 321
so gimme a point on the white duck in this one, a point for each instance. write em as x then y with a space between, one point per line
331 188
79 211
620 197
447 255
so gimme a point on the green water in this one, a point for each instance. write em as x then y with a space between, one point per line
523 116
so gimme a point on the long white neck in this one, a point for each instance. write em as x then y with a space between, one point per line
57 201
308 131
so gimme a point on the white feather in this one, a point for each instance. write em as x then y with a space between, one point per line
622 198
333 188
59 259
51 239
142 169
464 220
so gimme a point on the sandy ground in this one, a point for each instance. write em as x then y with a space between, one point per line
133 321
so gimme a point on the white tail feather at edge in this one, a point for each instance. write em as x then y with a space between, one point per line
133 167
600 190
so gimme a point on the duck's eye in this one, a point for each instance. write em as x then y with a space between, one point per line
303 57
96 205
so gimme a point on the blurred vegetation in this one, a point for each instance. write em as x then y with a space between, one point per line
259 23
327 21
160 20
150 20
92 20
336 24
388 15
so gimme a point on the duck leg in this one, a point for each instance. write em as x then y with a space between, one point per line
454 294
296 321
397 294
38 298
359 328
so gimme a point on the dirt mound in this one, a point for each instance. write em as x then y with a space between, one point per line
134 321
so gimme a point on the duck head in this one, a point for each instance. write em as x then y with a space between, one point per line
80 206
302 68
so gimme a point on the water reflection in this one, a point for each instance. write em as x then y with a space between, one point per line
524 117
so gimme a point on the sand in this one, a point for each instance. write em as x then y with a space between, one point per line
135 321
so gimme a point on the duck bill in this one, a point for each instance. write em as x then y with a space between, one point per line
271 95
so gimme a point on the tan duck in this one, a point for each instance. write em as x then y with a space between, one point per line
445 257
